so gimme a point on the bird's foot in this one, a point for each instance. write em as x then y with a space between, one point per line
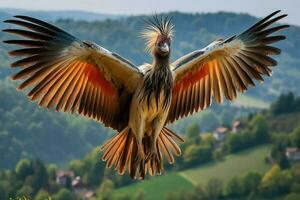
152 154
139 163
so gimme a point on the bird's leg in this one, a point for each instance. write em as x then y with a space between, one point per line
153 153
140 157
153 150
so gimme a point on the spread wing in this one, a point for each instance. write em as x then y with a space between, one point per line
72 75
224 67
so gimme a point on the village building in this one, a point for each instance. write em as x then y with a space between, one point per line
237 126
63 176
220 133
293 153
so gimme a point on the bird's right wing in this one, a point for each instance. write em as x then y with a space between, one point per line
224 67
72 75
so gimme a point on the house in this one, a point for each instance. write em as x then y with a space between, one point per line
237 126
293 153
80 189
220 133
77 185
63 175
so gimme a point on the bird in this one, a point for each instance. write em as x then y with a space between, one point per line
63 73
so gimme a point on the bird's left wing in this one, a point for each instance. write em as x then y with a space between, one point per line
72 75
223 68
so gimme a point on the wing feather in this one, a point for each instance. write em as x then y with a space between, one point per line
67 74
224 67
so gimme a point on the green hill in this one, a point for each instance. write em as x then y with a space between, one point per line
232 165
251 160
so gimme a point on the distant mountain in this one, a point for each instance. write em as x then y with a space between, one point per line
55 15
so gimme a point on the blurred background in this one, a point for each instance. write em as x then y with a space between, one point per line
247 149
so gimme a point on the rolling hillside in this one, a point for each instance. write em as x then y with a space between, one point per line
252 160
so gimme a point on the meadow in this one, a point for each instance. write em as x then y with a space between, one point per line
251 160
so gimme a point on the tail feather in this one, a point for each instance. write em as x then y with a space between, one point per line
122 150
172 145
125 154
173 135
110 150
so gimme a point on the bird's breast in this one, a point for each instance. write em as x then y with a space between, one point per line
156 90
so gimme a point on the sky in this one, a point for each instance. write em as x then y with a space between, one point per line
258 8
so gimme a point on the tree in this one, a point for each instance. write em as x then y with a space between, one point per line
105 190
213 189
193 132
26 190
63 194
93 168
270 182
284 104
250 182
51 170
42 195
195 154
40 176
235 142
295 137
23 168
280 143
218 154
259 128
77 166
234 187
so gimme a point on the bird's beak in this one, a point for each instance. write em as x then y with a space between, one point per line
164 48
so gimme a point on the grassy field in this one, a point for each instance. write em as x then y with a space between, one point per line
157 187
233 165
250 102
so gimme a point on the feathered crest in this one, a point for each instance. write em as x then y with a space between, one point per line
157 25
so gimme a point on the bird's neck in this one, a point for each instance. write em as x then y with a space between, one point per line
160 62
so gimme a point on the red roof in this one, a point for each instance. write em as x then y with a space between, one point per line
292 149
222 130
63 173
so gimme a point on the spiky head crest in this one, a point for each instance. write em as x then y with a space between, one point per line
158 27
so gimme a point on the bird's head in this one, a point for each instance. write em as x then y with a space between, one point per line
158 34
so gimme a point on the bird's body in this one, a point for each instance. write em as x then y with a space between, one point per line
80 76
151 102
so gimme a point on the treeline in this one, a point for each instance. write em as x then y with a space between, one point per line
32 180
277 183
202 148
32 177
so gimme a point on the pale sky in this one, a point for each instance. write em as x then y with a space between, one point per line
254 7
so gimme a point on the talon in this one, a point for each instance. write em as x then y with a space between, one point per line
148 156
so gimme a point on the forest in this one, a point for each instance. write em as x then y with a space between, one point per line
35 179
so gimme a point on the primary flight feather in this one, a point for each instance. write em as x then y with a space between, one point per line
71 75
